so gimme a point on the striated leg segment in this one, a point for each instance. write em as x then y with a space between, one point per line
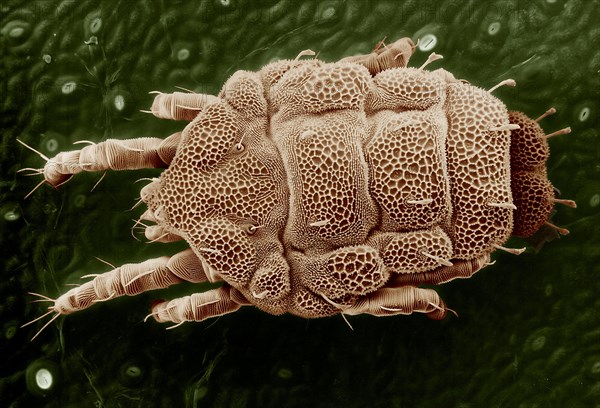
196 307
132 279
112 154
401 300
179 105
128 279
395 55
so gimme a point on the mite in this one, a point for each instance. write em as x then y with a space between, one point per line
317 189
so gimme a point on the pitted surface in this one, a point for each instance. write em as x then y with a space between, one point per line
526 318
408 178
478 170
403 189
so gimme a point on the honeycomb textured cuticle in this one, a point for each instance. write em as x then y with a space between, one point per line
350 175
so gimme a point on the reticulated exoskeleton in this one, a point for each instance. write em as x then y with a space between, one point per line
322 188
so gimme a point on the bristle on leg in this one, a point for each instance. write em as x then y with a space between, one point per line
514 251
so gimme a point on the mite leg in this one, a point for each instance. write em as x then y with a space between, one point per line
112 154
395 55
132 279
461 269
199 306
153 233
400 300
180 105
129 279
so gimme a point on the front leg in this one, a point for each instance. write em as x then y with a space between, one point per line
129 280
112 154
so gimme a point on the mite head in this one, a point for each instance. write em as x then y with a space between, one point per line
533 194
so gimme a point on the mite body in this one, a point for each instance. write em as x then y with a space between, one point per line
320 188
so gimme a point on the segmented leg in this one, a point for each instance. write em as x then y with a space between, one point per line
395 55
180 105
132 279
461 269
400 300
112 154
128 279
199 306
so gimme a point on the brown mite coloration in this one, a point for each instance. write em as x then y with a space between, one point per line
322 188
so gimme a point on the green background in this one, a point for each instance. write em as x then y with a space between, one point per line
528 334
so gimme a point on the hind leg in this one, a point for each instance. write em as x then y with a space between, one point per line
395 55
404 300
